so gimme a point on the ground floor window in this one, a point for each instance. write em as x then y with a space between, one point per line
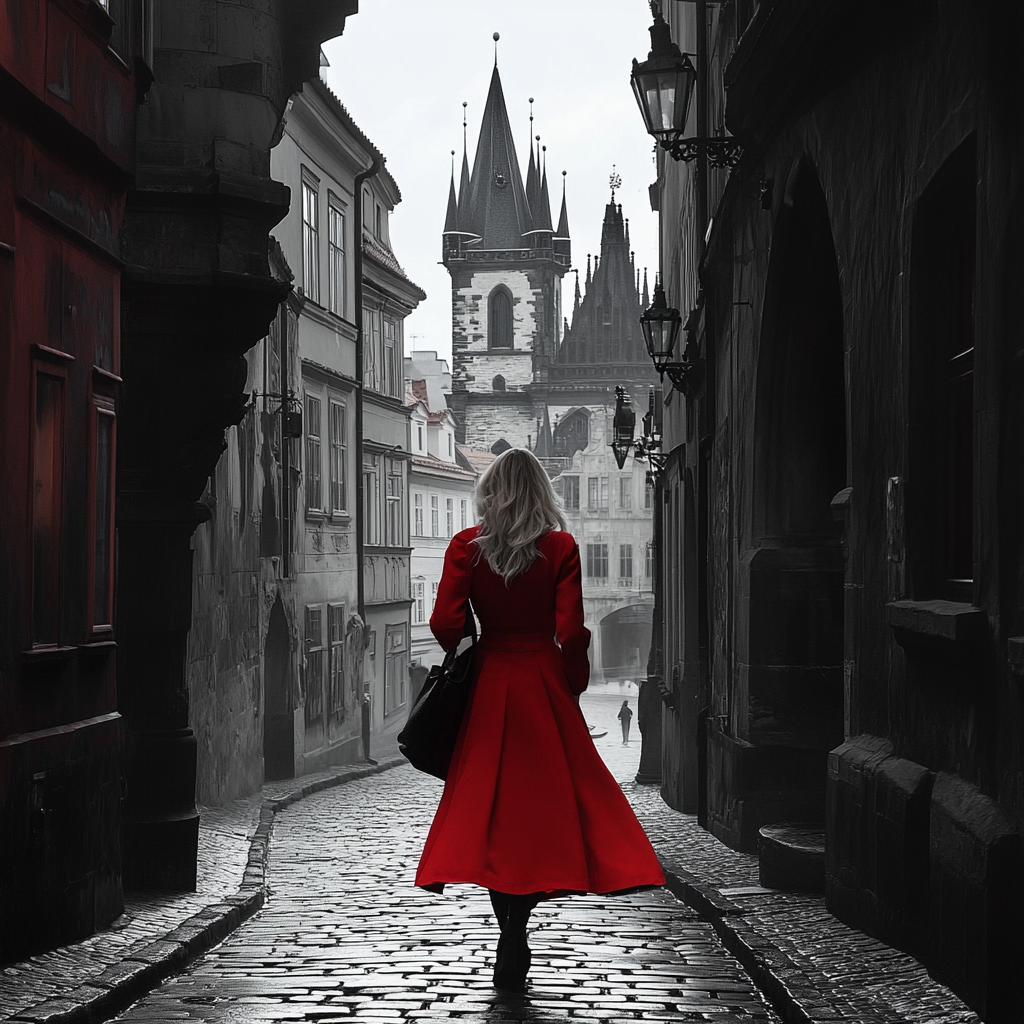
314 675
396 666
336 631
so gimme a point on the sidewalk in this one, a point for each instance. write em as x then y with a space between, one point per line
160 932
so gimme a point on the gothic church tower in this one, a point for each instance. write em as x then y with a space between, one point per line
506 263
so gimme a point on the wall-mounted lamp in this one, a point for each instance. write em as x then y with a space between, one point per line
660 324
664 85
623 427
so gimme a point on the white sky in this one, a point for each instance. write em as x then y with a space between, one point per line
403 68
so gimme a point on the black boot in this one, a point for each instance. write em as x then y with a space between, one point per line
513 960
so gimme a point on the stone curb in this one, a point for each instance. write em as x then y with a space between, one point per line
122 984
792 994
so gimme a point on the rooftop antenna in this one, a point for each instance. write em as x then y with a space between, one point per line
496 37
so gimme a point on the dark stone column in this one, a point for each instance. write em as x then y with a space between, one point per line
196 294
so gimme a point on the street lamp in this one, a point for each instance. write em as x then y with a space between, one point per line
660 324
664 85
623 425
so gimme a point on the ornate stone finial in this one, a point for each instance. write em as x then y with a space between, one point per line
615 180
496 37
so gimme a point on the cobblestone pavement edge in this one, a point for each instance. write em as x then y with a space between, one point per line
120 984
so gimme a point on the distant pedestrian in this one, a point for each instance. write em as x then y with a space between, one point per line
625 717
529 810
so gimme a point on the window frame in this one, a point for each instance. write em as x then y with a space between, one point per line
626 562
313 654
336 266
58 456
336 659
372 525
449 517
338 456
417 514
310 235
313 460
495 333
597 559
394 671
394 512
435 516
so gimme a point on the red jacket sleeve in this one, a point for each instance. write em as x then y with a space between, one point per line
448 621
572 634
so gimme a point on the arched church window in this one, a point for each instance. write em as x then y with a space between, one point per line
499 319
498 384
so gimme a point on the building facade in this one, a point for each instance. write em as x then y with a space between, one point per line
387 298
146 230
842 556
523 376
66 168
441 486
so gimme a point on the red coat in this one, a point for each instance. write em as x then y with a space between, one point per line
529 805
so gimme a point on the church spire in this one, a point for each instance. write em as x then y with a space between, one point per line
646 301
561 239
576 300
496 209
589 280
542 216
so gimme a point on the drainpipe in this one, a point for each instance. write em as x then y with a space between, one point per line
361 177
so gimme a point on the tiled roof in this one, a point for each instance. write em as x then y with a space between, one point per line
477 458
385 258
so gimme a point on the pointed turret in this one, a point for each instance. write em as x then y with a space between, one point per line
645 301
561 240
542 216
576 300
532 181
451 219
589 280
497 209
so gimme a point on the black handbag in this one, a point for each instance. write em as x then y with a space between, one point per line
432 727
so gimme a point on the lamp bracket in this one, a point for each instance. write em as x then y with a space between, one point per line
687 376
721 152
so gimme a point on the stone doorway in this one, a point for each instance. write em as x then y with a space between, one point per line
278 723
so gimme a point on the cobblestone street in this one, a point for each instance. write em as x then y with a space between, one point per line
345 935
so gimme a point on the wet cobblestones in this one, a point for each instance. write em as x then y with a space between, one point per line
344 935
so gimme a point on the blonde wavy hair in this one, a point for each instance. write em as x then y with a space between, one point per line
516 506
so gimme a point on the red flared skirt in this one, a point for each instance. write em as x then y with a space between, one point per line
528 805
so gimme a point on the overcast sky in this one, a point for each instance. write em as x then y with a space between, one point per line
403 69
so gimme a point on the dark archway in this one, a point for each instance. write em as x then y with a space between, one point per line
278 719
626 642
789 704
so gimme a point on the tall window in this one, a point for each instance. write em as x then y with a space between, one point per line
336 634
499 318
314 487
336 257
626 564
338 449
449 517
395 504
310 242
419 601
433 594
464 513
571 493
625 492
941 501
396 667
373 356
417 514
392 360
47 499
314 665
419 437
597 561
102 564
597 492
648 494
435 525
371 498
648 561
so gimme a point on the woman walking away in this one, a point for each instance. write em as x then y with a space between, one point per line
625 717
529 810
